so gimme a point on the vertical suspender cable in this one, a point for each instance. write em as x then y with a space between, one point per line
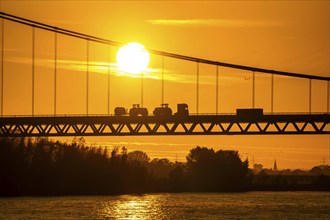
217 91
142 75
109 72
272 94
197 87
55 70
328 94
2 61
162 80
310 96
328 91
87 75
253 89
33 69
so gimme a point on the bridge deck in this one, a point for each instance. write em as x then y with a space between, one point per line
170 125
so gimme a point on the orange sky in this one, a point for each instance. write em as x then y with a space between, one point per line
287 35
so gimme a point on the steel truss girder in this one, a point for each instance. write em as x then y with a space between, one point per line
151 125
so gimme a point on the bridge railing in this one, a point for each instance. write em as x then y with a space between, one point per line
193 114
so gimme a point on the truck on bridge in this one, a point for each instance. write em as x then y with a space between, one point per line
136 110
249 112
161 111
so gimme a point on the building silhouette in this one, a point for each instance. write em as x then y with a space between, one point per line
275 166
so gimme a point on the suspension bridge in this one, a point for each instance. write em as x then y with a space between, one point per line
248 121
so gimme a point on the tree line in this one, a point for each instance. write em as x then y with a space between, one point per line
44 167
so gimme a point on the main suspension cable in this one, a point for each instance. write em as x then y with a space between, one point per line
156 52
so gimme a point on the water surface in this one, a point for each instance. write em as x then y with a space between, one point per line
251 205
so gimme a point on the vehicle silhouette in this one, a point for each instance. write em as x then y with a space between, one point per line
163 110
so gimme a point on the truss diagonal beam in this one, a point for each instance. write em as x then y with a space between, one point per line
174 125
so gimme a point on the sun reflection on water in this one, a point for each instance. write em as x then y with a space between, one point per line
133 207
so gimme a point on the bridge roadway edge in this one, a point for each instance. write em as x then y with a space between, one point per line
21 126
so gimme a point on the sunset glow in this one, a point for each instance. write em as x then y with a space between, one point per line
132 58
165 109
288 36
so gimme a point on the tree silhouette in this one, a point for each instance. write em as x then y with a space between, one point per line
43 167
138 156
208 170
177 178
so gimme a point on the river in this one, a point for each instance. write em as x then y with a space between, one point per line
249 205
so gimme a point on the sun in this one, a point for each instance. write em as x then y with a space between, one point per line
133 58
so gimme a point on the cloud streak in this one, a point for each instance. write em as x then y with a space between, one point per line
112 68
228 23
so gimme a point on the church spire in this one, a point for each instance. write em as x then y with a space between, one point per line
275 166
